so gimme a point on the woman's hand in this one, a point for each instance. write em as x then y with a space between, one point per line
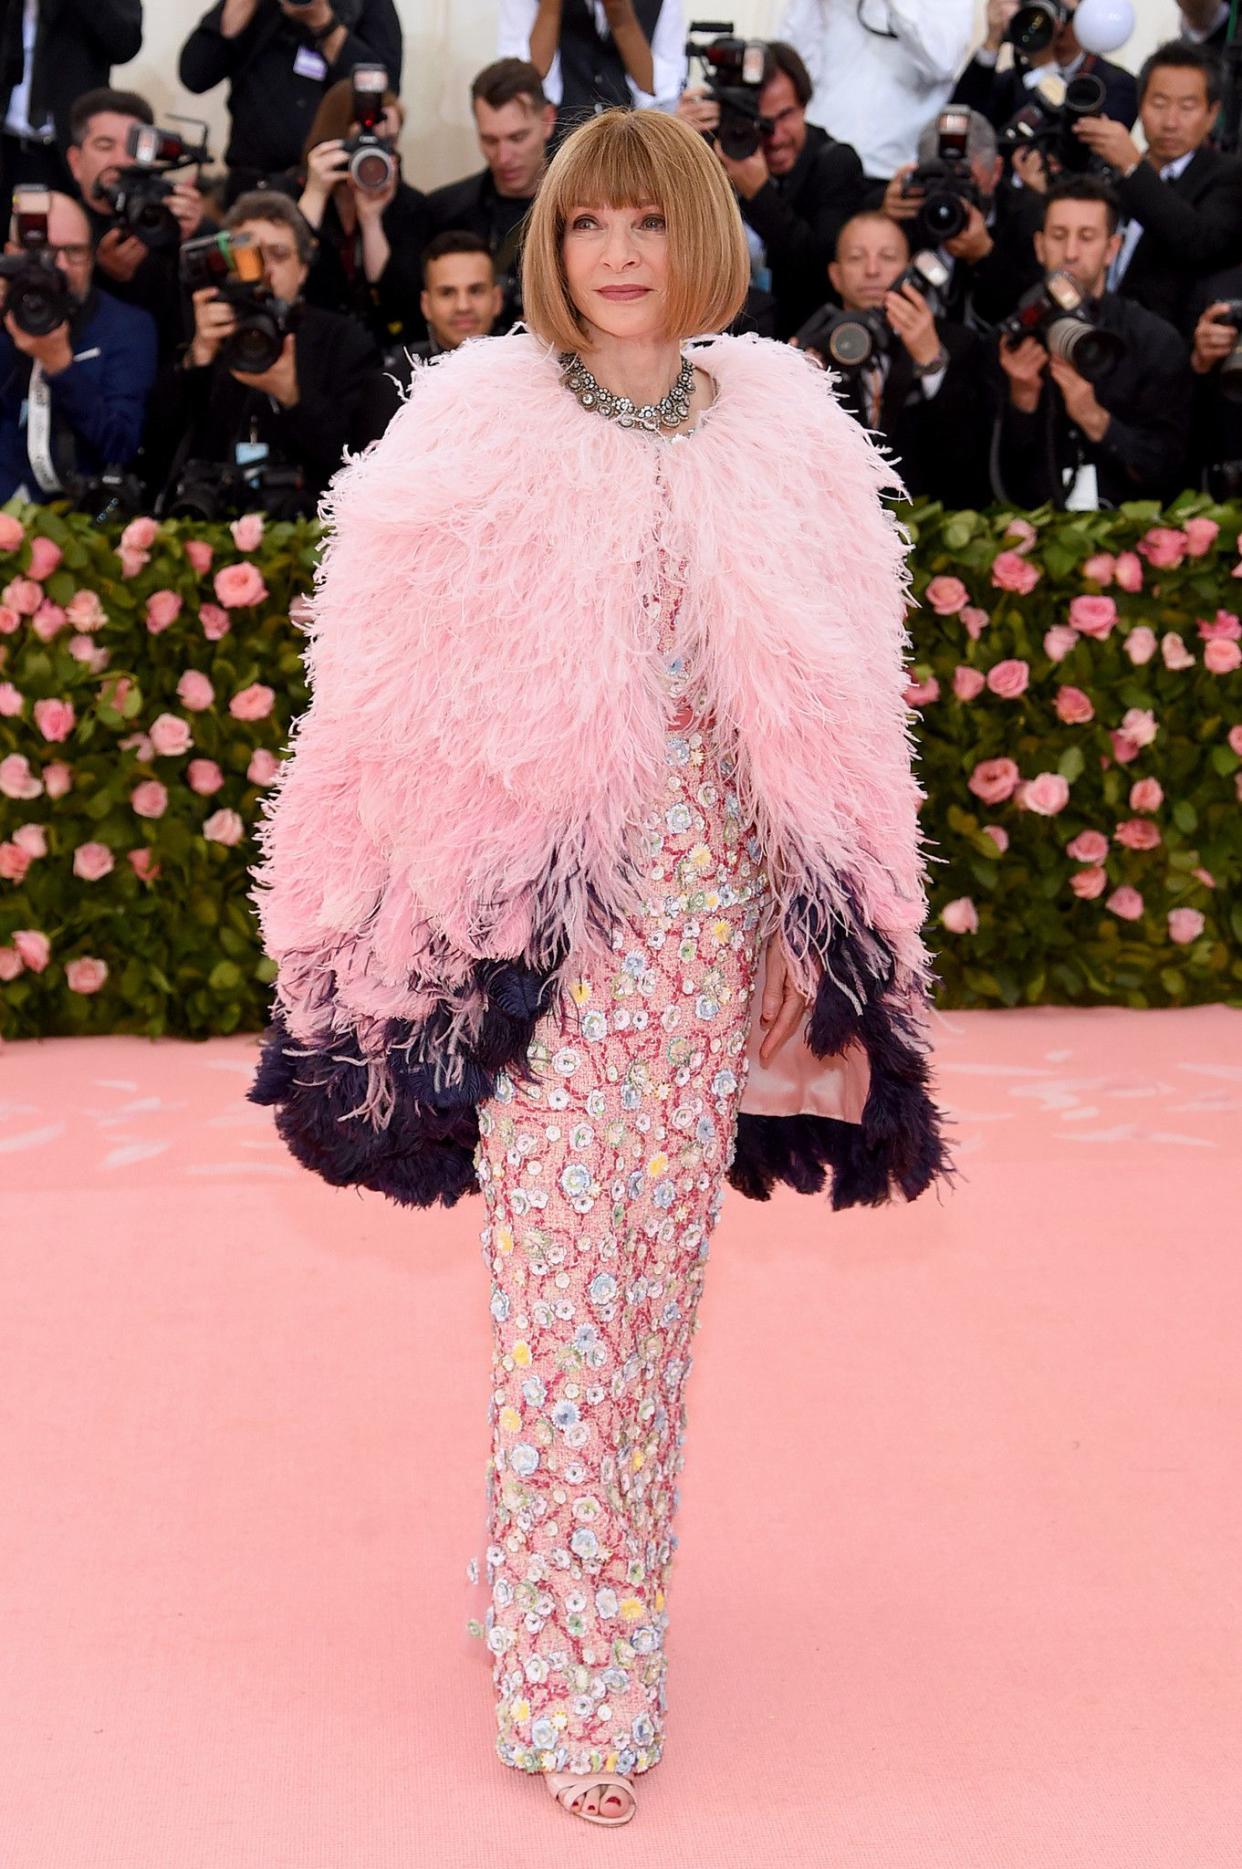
784 1009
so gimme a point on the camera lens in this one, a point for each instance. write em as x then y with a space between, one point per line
850 343
1091 350
1033 27
371 170
37 308
944 216
256 344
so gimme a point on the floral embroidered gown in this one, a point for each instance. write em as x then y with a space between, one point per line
602 1184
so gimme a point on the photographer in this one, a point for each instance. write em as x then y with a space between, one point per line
135 271
279 59
1182 201
371 224
297 413
991 261
1216 360
49 54
72 396
920 388
1122 435
1001 94
796 191
593 53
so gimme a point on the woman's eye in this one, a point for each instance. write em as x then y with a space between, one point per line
657 218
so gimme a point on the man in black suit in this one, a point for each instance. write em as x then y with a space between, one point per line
49 55
796 191
922 389
1000 95
1182 202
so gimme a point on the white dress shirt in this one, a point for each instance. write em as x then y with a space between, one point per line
668 50
16 118
1132 232
875 92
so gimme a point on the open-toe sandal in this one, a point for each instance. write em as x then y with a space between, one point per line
615 1803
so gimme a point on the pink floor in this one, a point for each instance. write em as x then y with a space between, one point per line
959 1581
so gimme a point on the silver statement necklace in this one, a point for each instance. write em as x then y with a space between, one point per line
669 412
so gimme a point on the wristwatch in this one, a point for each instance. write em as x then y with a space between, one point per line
939 362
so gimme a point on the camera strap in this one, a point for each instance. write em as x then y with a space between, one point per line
39 432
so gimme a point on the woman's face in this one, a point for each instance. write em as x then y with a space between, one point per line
616 263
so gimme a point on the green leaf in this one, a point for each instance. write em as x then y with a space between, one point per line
1071 763
1185 816
224 976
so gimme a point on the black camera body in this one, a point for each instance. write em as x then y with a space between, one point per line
1054 312
851 339
1046 124
234 266
733 70
1229 376
139 193
372 157
211 490
949 188
38 293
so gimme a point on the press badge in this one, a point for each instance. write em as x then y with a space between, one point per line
250 453
308 63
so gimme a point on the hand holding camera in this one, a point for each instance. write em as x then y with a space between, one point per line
696 108
999 15
1024 364
238 319
37 301
1217 346
910 316
1110 141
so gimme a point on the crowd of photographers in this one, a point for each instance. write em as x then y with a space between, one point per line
1032 292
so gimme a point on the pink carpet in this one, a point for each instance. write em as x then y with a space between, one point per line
959 1574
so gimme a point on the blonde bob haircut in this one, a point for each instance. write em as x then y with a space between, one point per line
625 159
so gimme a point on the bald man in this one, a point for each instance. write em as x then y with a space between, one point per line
72 400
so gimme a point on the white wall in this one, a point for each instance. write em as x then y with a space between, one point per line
446 42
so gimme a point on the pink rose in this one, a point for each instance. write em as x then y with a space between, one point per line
999 836
1047 793
1073 706
1235 740
1224 623
1139 725
960 916
45 555
263 766
1010 572
1146 795
16 778
1088 847
9 619
1138 834
143 864
1164 547
256 702
974 620
1140 644
1009 679
237 586
132 562
48 620
1099 568
248 532
917 694
140 535
54 719
85 611
195 691
1059 640
1124 748
1185 925
23 595
14 862
945 595
86 974
141 745
1126 903
92 861
10 959
1200 536
200 555
1128 571
91 654
34 948
224 827
12 532
32 838
994 780
1089 883
1092 616
149 799
10 700
215 621
1221 658
58 778
1174 651
205 777
1023 531
163 608
1205 877
171 736
967 682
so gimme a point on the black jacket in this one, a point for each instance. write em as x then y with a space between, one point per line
1000 95
1142 454
1216 419
798 217
270 105
78 43
474 205
982 294
337 279
1192 226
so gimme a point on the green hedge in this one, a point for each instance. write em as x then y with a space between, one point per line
1074 676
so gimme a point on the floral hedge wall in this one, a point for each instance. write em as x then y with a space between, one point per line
1074 679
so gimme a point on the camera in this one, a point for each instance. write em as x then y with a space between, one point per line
1046 122
1034 27
139 192
211 490
946 181
38 293
1230 372
733 69
1053 311
233 264
850 339
372 163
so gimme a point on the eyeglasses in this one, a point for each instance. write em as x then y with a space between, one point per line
276 253
76 252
